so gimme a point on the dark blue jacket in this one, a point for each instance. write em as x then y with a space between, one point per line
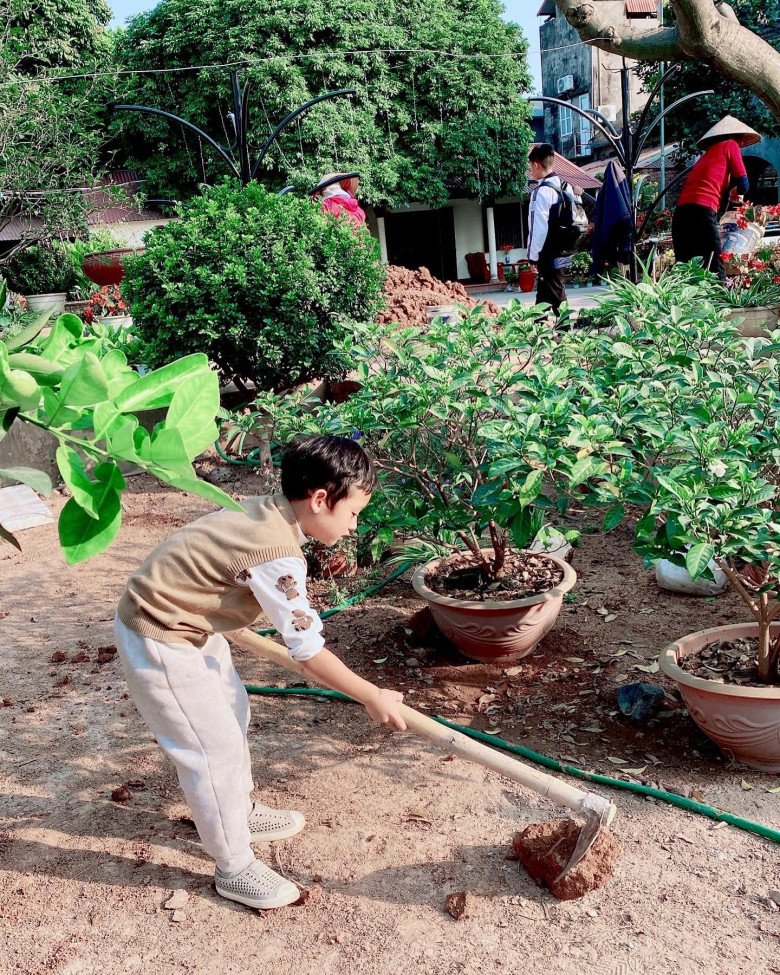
613 219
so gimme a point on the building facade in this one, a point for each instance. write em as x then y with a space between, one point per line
586 78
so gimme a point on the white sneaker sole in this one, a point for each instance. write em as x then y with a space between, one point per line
281 833
286 896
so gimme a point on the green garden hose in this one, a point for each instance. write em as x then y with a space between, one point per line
701 808
644 790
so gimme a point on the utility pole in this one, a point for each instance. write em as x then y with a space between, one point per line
662 125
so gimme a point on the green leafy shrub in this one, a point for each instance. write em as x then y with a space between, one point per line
41 269
265 285
475 428
698 407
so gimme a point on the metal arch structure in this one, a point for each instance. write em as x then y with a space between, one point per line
629 144
245 172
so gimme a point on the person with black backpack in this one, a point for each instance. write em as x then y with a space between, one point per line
557 221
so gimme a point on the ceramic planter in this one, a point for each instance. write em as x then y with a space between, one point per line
105 267
755 322
492 631
54 302
125 321
744 722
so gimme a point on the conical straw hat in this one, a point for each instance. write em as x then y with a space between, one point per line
731 128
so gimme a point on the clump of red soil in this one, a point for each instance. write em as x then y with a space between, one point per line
544 850
409 293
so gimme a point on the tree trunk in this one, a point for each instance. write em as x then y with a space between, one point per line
705 31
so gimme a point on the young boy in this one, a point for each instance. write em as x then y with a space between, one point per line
213 576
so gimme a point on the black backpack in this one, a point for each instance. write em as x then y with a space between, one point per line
569 222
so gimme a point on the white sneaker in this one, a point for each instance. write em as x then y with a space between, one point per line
257 886
274 824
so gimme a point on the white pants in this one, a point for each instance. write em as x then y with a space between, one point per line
198 710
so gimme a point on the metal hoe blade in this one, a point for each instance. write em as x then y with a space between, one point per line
588 834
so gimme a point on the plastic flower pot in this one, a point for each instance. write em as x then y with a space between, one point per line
744 722
491 631
527 280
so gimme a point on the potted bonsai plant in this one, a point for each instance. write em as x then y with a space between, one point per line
698 408
477 438
44 274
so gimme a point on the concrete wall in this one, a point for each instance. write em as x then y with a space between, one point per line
595 72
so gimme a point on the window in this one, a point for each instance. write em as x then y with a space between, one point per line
565 121
508 220
583 102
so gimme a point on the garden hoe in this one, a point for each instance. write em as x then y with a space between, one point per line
570 860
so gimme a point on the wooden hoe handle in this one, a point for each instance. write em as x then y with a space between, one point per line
587 803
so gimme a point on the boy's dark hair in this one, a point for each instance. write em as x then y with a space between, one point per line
335 464
544 154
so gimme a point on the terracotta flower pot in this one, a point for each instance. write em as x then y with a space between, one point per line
744 722
527 280
492 631
105 267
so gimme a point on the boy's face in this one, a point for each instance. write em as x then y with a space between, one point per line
328 525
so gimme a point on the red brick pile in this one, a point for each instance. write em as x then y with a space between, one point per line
409 293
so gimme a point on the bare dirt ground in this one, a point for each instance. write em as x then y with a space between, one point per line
393 825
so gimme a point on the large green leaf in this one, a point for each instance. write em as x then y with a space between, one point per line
166 450
531 488
156 389
64 331
37 480
86 492
84 383
28 334
192 411
194 485
698 558
585 468
44 371
81 536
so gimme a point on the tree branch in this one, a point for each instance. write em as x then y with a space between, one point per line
706 30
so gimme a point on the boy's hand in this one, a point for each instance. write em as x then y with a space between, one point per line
383 708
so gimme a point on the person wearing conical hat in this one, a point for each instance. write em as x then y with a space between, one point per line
695 231
338 197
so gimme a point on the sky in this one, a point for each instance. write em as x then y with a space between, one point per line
522 12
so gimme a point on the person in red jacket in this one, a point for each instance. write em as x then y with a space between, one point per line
695 231
339 198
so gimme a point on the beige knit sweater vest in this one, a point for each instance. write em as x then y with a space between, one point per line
186 588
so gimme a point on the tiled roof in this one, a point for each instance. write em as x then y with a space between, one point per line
641 8
571 173
547 9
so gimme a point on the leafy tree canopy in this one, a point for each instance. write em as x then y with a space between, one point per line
51 133
421 126
55 33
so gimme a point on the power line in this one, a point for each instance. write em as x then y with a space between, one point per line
456 55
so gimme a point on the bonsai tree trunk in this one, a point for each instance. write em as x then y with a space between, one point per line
765 608
706 30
